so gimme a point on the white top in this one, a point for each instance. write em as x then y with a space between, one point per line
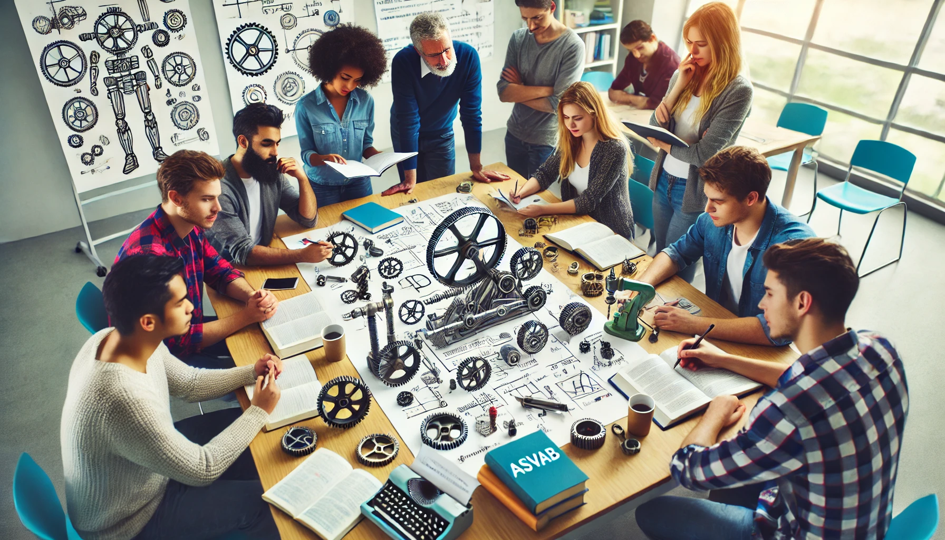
578 178
735 268
119 444
687 129
255 210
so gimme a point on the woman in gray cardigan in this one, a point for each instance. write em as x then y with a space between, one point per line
706 107
592 159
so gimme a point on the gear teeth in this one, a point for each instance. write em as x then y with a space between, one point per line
536 297
390 267
299 441
342 243
381 363
445 225
357 407
575 318
526 263
467 371
263 66
532 336
445 424
377 450
404 399
588 434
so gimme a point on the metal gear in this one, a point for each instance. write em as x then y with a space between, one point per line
532 336
299 441
505 281
466 226
377 450
185 115
592 284
588 434
300 47
179 68
160 38
97 150
536 297
584 346
80 114
63 63
575 318
526 263
411 311
252 49
473 373
344 248
390 267
396 363
254 93
443 431
343 402
87 158
510 355
349 297
404 399
175 20
114 31
606 350
75 141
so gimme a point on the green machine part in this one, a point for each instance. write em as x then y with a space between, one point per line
625 324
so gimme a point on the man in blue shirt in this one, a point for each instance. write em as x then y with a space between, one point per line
738 225
428 79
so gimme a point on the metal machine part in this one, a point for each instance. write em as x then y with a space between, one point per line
543 405
606 350
322 280
575 318
574 268
592 284
628 267
532 336
175 20
179 69
588 434
526 263
449 293
411 312
396 363
390 267
344 248
464 187
404 399
584 346
625 323
80 114
448 253
550 253
510 355
343 402
629 446
377 450
443 431
299 441
473 373
486 425
370 312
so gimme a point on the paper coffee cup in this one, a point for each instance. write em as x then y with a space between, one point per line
333 338
640 409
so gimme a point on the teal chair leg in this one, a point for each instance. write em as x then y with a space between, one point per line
812 207
839 221
902 239
814 201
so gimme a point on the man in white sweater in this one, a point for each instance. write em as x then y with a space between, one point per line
129 471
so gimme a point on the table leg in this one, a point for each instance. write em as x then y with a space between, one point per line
792 175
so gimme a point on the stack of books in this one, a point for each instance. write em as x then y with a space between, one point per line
534 478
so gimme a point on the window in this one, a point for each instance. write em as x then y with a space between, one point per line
875 28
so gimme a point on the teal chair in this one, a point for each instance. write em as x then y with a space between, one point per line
917 522
90 308
882 157
641 196
37 504
805 118
600 79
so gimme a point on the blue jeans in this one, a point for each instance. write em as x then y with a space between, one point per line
352 189
231 503
436 154
682 518
670 223
525 158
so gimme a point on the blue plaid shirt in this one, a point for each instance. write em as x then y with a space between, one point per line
825 440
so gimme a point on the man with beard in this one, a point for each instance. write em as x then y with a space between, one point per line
428 79
190 189
255 187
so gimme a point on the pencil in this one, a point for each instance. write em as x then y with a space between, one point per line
696 344
266 381
514 191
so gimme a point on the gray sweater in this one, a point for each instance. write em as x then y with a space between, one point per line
230 234
607 197
119 444
720 126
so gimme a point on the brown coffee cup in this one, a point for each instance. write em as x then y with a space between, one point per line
333 337
640 409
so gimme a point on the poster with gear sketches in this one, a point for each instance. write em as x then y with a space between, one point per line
265 48
124 83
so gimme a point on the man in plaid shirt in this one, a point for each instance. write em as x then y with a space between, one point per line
190 188
822 445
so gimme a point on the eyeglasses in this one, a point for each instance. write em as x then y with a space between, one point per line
437 55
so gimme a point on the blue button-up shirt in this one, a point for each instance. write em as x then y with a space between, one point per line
714 244
322 132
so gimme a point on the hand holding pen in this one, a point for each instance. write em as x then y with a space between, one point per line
691 345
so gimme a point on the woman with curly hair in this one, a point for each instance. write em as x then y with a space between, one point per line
336 120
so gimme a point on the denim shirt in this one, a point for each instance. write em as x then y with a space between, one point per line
714 244
322 132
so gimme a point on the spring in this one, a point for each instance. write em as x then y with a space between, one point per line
444 295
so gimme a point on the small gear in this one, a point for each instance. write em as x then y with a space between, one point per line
288 21
343 402
411 311
535 296
349 297
390 267
289 87
575 318
505 281
606 350
185 115
87 158
97 150
396 363
588 434
443 431
592 284
299 441
510 355
42 25
404 399
377 450
254 93
344 248
532 336
179 69
160 38
331 18
175 20
75 141
584 346
473 373
526 263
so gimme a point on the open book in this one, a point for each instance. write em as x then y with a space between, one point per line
324 493
372 166
297 325
678 392
658 133
300 388
599 245
505 197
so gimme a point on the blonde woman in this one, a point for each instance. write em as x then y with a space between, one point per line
591 159
707 103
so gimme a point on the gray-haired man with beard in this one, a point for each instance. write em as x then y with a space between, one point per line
255 187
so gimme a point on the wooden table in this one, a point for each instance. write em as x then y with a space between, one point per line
614 478
757 134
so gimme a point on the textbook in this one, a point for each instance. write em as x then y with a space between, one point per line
297 325
493 485
656 132
300 388
537 471
599 245
679 392
372 217
372 166
324 493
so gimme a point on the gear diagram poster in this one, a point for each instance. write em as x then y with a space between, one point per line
123 81
265 48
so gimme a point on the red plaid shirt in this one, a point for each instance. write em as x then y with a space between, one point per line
156 236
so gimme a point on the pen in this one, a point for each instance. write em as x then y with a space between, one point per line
266 381
696 344
514 191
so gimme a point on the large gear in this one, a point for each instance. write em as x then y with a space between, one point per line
63 63
467 227
254 93
588 434
289 87
343 402
536 297
411 311
396 363
114 31
390 268
175 20
532 336
575 318
80 114
300 47
299 441
473 373
179 68
344 248
443 431
377 450
185 115
526 263
252 49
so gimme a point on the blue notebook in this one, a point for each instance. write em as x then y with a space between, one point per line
372 217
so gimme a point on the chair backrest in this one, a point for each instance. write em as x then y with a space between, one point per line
642 169
917 522
641 201
600 79
36 501
90 308
803 117
885 158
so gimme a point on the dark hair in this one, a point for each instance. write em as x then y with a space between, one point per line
246 122
181 169
138 286
738 170
534 4
348 45
823 269
635 31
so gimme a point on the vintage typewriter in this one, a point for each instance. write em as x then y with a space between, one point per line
411 507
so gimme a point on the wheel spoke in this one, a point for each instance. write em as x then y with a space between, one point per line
488 243
447 251
457 264
456 233
478 228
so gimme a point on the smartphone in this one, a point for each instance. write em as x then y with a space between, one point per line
281 284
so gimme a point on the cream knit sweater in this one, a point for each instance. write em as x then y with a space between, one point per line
119 445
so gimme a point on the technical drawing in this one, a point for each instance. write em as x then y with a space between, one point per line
580 385
175 20
289 87
254 93
179 69
62 63
288 21
80 114
252 49
299 50
185 115
161 38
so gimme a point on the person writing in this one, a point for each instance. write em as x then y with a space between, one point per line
648 68
335 121
591 159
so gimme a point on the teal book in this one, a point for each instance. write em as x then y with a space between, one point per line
372 217
537 471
